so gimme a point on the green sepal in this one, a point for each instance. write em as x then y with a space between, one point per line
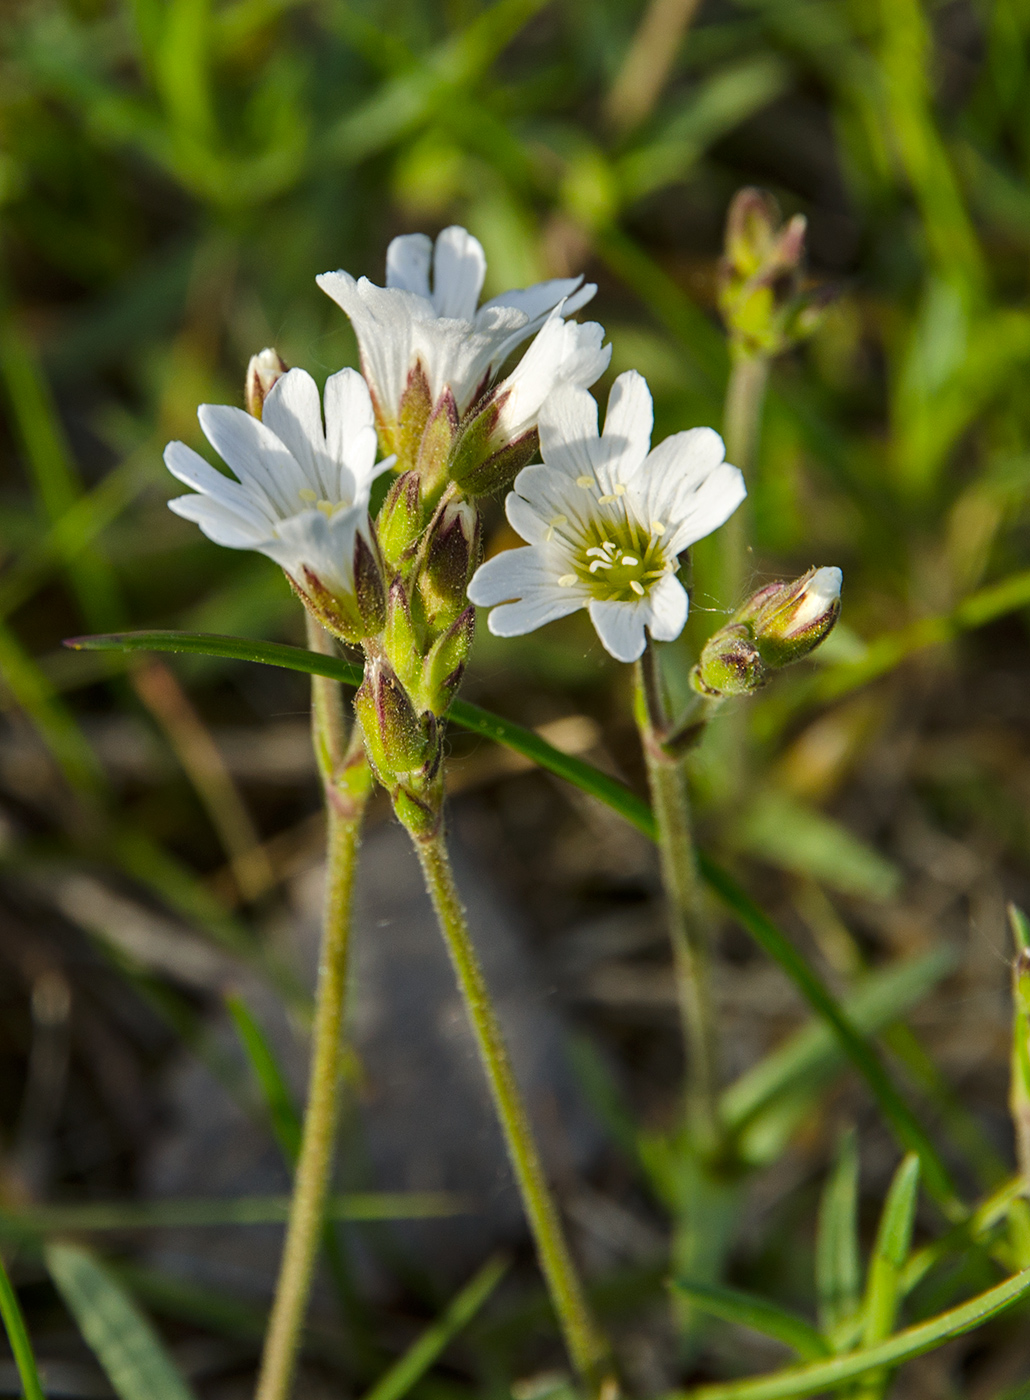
415 407
401 520
443 668
434 451
497 471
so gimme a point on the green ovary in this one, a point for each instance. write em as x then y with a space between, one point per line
619 561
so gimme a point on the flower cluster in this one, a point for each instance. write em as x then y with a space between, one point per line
439 400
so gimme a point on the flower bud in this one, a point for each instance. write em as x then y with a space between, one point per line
452 557
401 520
789 620
759 277
262 372
444 667
399 740
730 664
495 471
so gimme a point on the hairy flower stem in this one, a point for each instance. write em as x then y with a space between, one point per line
586 1344
346 782
670 799
742 416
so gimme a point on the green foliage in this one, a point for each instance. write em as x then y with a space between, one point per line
173 173
125 1343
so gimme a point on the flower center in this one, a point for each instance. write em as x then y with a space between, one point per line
310 498
620 561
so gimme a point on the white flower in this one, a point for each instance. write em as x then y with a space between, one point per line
605 520
302 492
408 324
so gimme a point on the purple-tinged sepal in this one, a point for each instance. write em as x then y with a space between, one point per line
789 620
730 664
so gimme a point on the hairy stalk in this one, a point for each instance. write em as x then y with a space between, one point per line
742 416
586 1344
670 799
346 782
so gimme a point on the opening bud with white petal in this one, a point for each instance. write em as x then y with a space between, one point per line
264 369
789 620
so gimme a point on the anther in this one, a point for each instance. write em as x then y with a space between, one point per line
636 587
587 482
566 580
306 494
606 500
658 528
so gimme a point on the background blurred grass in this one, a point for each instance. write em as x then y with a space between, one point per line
172 175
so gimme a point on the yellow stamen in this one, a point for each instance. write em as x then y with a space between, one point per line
587 482
636 587
566 580
658 528
306 494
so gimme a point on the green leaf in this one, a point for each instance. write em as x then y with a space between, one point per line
416 1361
732 1305
810 1057
18 1337
785 832
233 1210
824 1375
837 1267
123 1340
907 1127
514 736
286 1124
890 1252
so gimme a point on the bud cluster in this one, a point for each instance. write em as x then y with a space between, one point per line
761 298
778 625
414 668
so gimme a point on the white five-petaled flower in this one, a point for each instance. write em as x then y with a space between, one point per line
302 491
408 324
605 519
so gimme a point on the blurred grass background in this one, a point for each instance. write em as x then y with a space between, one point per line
173 173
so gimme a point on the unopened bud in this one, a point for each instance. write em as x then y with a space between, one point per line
730 664
452 557
262 372
789 620
489 452
444 667
760 294
401 520
398 739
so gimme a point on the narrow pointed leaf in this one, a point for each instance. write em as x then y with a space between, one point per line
914 1341
732 1305
837 1268
123 1340
286 1125
409 1369
890 1252
18 1337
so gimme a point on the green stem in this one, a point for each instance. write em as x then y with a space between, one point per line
346 782
670 799
586 1344
745 395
